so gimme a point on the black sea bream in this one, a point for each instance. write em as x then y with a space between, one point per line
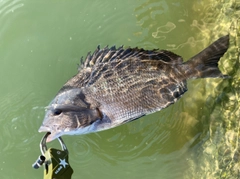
116 86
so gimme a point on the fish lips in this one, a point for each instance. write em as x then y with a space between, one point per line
52 136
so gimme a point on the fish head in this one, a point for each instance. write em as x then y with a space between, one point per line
69 114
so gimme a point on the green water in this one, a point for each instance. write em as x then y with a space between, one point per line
41 43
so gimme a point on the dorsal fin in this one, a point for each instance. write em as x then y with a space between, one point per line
109 54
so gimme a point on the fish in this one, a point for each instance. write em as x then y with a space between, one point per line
114 86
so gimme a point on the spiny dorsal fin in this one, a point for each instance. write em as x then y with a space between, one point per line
109 54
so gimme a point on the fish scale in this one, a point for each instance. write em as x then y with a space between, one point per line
135 91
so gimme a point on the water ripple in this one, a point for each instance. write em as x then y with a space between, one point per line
9 6
82 149
18 120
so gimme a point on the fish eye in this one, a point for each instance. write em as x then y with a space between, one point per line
57 112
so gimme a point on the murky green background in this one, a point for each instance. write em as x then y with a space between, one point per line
41 43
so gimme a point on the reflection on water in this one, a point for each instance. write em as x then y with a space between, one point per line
163 29
8 6
167 29
195 138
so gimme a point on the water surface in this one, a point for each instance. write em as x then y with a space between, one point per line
41 43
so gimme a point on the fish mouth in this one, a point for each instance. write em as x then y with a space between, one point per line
44 129
53 135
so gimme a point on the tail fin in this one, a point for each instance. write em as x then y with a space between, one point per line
205 63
